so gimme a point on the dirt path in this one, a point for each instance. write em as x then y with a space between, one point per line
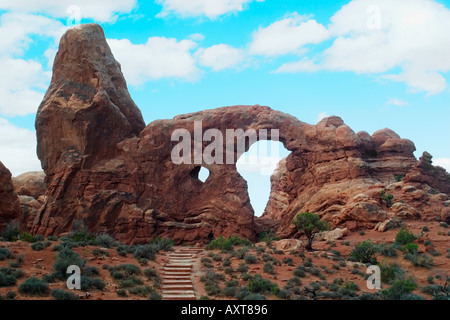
177 275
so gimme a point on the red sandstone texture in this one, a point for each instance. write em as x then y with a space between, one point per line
103 167
9 203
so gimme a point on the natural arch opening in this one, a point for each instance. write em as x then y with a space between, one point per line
200 173
256 166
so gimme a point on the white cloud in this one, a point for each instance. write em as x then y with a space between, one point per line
288 35
195 8
303 65
322 116
442 162
196 37
265 165
98 10
220 57
396 102
378 36
18 149
158 58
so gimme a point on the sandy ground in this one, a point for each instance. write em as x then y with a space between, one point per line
39 263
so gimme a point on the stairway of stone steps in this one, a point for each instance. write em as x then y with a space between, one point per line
177 272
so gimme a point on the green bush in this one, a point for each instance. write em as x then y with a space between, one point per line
104 240
288 261
444 225
419 260
163 244
404 237
391 272
229 291
227 244
7 280
438 292
150 273
38 246
398 177
52 238
254 297
27 237
34 286
388 250
387 198
11 295
399 290
5 254
147 251
66 258
206 262
268 268
59 294
410 248
300 272
121 292
284 294
130 282
226 262
143 291
364 252
250 259
154 296
425 229
308 263
257 284
100 253
242 268
11 231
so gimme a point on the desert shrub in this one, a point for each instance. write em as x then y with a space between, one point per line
314 271
104 240
444 225
250 259
121 293
241 293
206 262
38 246
300 272
307 263
229 291
66 258
364 252
410 248
228 270
220 244
391 272
434 253
242 268
284 294
254 297
342 263
425 229
150 273
216 257
257 284
388 250
11 231
345 243
88 283
91 271
52 238
147 251
404 237
368 296
100 253
438 292
226 262
430 279
163 244
419 260
34 286
27 237
154 296
268 268
241 252
59 294
267 236
7 280
130 282
399 290
288 261
11 295
143 291
398 177
361 232
336 266
387 198
260 250
14 264
267 257
5 254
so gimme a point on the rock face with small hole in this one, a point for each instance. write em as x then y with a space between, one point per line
103 166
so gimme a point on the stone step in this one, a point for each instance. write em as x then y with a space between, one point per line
180 293
176 277
181 274
180 287
178 265
177 282
178 297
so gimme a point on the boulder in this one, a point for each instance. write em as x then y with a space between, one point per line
9 202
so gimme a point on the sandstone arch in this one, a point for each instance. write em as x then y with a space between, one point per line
122 181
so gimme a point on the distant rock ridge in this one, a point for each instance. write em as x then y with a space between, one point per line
104 167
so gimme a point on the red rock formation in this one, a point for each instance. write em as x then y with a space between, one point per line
9 203
104 168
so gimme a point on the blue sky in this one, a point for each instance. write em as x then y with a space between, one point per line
375 63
